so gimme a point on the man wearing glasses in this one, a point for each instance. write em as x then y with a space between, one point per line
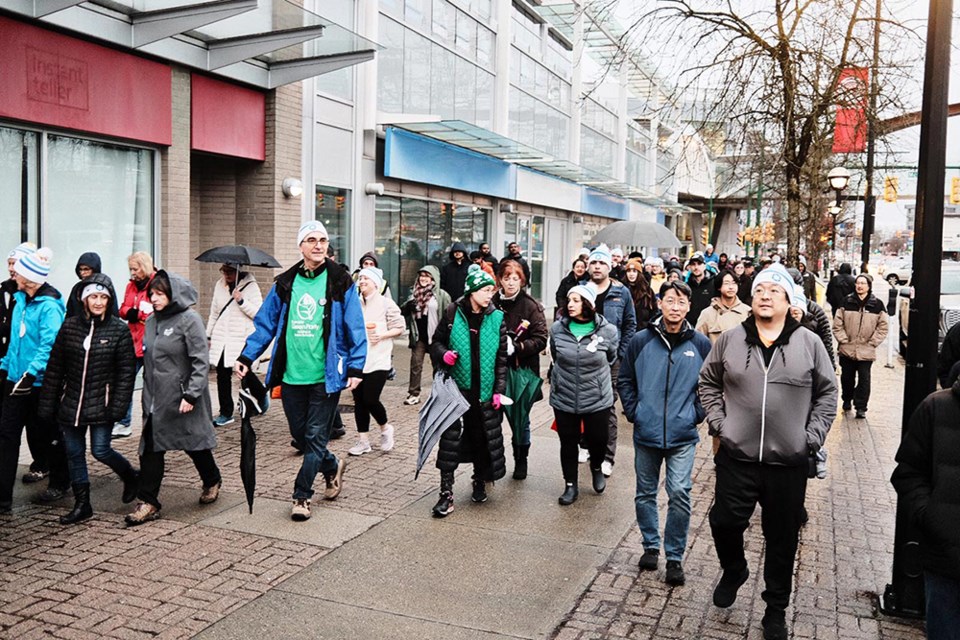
313 315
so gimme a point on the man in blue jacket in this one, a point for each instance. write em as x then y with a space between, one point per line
313 316
658 389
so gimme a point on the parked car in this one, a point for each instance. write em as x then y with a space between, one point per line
949 303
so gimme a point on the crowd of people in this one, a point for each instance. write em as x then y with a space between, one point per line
742 348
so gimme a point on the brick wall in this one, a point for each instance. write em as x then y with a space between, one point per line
175 228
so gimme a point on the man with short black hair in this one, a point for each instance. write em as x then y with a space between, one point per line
489 257
513 253
701 287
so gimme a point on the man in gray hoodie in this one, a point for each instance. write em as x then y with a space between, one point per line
770 395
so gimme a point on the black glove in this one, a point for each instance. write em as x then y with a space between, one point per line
133 315
24 385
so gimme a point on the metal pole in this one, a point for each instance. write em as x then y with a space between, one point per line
905 596
870 200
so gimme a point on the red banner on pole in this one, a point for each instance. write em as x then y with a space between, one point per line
850 132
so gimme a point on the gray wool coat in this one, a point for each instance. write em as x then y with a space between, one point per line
175 367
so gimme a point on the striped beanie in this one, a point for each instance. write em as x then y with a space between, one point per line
22 249
35 267
477 278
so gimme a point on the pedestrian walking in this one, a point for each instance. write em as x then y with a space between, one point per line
860 326
840 286
657 273
948 357
38 313
577 275
313 318
726 310
644 299
471 343
7 301
746 281
526 337
513 253
927 485
584 346
87 387
135 309
658 389
770 395
176 394
454 273
808 279
488 257
423 309
369 259
236 301
701 285
88 264
814 317
383 322
617 267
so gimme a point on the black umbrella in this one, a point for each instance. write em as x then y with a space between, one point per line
239 254
254 401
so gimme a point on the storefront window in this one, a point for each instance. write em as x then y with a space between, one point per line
18 186
333 210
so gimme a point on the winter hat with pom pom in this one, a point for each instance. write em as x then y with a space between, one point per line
35 267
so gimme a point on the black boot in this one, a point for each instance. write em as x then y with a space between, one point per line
599 481
131 482
479 490
444 505
81 506
520 452
570 494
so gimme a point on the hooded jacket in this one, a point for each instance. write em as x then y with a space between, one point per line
840 286
454 275
658 386
533 339
580 381
703 293
92 368
175 368
34 326
74 304
619 311
777 413
927 479
230 322
860 326
343 330
409 307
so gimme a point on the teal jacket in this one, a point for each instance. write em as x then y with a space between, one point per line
33 330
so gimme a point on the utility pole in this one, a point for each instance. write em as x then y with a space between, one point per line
905 595
870 199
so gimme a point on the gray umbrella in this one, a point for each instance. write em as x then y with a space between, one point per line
444 407
634 233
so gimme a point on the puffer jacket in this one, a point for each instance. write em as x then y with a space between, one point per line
90 386
816 320
7 301
41 316
717 318
74 303
580 380
860 326
774 414
229 322
619 311
533 339
658 386
927 479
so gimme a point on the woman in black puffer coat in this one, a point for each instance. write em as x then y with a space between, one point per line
88 386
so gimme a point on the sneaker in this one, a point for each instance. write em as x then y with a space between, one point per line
774 625
392 374
121 431
675 575
300 510
861 415
210 494
725 593
52 494
584 456
222 421
650 560
479 491
335 482
360 448
386 438
34 476
336 434
607 468
444 506
144 512
412 400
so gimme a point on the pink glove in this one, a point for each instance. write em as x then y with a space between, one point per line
450 358
496 401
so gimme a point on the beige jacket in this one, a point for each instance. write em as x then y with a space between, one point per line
860 328
717 318
228 331
380 314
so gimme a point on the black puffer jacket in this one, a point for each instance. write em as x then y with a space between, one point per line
816 320
83 387
927 479
7 289
533 340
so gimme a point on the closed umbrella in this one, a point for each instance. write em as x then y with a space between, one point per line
444 407
254 401
523 387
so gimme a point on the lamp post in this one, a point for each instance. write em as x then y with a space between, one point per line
838 178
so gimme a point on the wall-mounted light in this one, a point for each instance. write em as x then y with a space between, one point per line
292 187
373 189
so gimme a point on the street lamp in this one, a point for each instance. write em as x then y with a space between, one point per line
839 179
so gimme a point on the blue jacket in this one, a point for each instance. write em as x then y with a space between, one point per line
343 328
658 386
618 310
41 317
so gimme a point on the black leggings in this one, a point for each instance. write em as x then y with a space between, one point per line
595 431
366 400
152 468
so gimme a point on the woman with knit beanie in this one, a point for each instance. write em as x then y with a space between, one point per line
471 343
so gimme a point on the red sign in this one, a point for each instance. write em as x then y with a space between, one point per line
227 119
850 133
56 80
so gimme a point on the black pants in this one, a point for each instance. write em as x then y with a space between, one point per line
780 491
225 387
595 431
855 381
366 400
152 468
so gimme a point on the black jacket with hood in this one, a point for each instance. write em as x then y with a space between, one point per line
840 286
90 386
74 304
454 275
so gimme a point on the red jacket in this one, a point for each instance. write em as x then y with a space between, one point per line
132 298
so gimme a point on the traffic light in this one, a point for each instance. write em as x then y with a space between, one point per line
954 190
740 238
705 235
891 184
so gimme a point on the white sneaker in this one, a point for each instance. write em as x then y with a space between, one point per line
121 431
584 456
607 468
411 400
360 448
386 438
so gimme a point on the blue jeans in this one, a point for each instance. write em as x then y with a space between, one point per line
943 606
647 462
310 412
75 442
127 419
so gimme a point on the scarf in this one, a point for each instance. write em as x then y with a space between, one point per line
421 297
462 371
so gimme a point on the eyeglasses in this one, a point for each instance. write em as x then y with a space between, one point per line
311 242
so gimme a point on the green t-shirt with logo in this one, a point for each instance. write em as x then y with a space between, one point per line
306 355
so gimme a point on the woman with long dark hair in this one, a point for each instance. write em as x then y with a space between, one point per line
644 300
577 275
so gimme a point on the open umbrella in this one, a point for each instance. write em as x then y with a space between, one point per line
239 254
254 401
636 233
523 387
444 407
